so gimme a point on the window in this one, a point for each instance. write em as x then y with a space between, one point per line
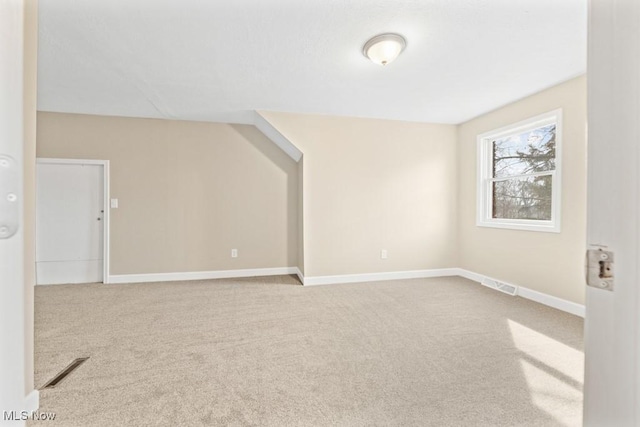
519 175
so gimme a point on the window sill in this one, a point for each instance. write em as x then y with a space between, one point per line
522 225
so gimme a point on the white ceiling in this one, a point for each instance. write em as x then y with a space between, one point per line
215 60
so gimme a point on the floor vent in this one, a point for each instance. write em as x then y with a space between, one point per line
64 373
499 286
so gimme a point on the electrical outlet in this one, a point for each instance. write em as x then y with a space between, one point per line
234 253
383 254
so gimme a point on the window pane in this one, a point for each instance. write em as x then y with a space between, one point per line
523 198
526 152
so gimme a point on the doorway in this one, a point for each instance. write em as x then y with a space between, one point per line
72 221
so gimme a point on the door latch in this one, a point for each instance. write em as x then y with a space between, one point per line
9 203
600 269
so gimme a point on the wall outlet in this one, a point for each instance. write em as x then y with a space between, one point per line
234 253
383 254
114 203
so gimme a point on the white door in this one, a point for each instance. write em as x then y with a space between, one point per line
69 223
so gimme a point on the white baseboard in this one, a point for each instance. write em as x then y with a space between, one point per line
530 294
375 277
542 298
551 301
32 401
201 275
470 275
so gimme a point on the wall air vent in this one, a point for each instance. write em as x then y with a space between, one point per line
500 286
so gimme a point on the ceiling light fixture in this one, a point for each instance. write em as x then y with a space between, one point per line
384 48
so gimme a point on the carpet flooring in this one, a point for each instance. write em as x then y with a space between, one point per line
270 352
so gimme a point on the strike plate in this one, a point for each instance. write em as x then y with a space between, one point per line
9 203
600 269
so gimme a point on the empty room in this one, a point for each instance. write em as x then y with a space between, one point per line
350 213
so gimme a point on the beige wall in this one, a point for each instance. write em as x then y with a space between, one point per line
372 185
30 87
409 188
188 192
546 262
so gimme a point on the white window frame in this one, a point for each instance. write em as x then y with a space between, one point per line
485 176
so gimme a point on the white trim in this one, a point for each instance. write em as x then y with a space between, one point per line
471 275
56 161
32 401
201 275
13 303
484 176
106 235
551 301
375 277
105 203
527 175
530 294
612 326
264 126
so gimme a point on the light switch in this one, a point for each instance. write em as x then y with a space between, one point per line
114 203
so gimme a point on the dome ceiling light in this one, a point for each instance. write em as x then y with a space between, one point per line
384 48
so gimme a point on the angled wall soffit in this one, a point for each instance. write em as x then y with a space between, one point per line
252 117
274 135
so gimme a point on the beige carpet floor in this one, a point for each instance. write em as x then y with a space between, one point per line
269 352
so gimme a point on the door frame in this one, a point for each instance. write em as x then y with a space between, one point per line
14 301
105 202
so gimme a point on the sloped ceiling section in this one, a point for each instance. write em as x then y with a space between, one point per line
221 60
276 137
